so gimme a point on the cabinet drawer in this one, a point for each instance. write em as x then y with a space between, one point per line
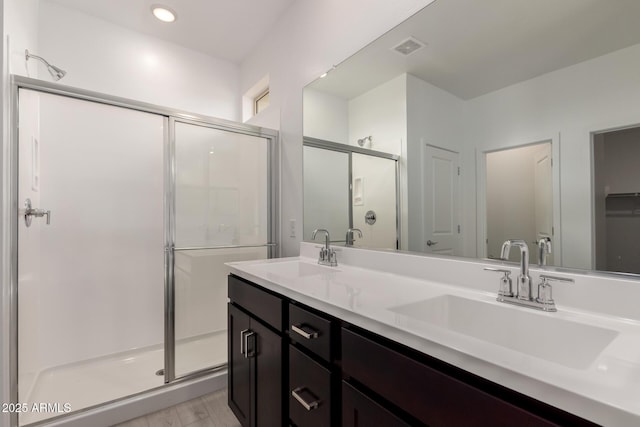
359 410
309 391
429 395
258 302
311 331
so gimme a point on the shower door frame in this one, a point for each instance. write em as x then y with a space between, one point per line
170 117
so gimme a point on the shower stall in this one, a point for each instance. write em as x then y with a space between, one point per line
349 187
124 214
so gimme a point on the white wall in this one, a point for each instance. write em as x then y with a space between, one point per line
325 116
382 114
107 58
22 31
307 41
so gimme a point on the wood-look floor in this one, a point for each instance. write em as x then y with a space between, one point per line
210 410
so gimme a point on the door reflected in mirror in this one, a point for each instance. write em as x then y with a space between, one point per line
520 200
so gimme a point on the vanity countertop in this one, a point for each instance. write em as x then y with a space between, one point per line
549 363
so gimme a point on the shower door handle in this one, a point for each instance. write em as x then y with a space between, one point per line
30 212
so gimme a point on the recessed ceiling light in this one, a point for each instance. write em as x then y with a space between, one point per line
325 74
163 13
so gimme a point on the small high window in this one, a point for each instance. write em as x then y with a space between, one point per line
256 99
261 102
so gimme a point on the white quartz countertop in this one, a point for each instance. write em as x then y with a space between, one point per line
603 388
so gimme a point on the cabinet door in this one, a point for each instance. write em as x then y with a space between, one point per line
268 376
359 410
239 374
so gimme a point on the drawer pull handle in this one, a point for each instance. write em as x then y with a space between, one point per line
308 406
308 334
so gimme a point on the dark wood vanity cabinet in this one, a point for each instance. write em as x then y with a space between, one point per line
359 410
290 364
256 356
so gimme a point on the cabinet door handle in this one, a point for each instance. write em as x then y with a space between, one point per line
308 334
309 406
249 344
243 346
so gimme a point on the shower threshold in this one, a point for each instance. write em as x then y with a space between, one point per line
93 382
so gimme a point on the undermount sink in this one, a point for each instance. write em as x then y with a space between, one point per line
295 269
558 340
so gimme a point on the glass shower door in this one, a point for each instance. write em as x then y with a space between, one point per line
221 215
326 192
374 190
90 252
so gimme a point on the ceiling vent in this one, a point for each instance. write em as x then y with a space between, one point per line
408 46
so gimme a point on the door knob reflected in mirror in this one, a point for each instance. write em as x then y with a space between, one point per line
30 212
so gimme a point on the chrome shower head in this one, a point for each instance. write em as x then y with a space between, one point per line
56 73
362 141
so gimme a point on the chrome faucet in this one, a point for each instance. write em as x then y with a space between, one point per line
327 255
349 237
544 301
524 281
544 249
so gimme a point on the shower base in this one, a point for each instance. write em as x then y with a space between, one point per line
97 381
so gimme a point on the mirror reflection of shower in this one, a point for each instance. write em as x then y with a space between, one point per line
348 188
56 72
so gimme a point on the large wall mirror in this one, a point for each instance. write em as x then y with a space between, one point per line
507 120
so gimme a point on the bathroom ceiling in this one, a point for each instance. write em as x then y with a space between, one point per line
476 47
225 29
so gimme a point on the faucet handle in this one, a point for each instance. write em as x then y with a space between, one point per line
506 288
545 295
332 258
